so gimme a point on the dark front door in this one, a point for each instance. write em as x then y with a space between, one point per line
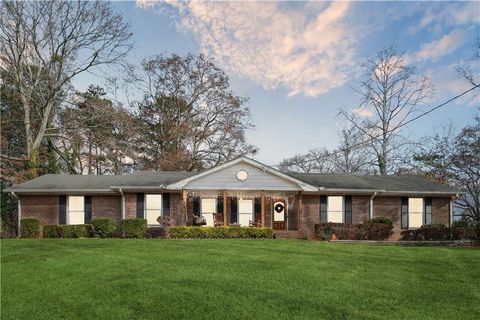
279 215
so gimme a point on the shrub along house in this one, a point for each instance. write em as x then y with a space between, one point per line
240 192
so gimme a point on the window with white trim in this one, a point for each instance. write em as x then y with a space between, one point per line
335 209
76 210
153 208
415 212
209 208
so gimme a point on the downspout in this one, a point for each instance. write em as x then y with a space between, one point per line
19 215
370 207
450 220
123 203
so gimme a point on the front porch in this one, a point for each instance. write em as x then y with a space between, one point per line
278 210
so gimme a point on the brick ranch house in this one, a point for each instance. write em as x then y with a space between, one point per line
239 192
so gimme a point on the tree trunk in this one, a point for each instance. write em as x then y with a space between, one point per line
32 171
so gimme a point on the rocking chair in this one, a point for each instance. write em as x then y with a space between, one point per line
218 219
256 223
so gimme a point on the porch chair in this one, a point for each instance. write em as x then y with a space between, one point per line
218 219
256 223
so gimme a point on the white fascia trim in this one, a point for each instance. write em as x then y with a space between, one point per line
182 183
446 193
159 187
322 190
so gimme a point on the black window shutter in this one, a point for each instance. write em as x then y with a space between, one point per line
258 205
166 204
233 210
404 215
323 209
428 211
62 209
140 205
88 209
196 205
348 209
220 204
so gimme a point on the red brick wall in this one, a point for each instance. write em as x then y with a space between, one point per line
390 207
441 210
130 205
43 208
310 216
268 211
178 209
107 206
360 206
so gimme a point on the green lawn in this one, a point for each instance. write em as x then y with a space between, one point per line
235 279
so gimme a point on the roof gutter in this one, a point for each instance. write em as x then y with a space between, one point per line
350 191
61 191
455 192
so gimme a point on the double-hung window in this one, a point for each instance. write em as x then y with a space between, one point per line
336 209
416 212
76 210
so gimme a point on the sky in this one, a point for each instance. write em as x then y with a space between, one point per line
298 61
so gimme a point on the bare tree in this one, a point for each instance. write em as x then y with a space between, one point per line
190 117
466 170
452 157
392 90
346 158
46 44
469 70
314 161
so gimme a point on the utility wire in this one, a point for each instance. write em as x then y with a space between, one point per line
399 126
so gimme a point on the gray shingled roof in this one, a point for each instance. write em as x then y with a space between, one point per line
390 183
146 179
67 182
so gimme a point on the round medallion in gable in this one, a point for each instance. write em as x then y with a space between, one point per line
242 175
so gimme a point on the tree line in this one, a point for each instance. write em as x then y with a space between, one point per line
186 117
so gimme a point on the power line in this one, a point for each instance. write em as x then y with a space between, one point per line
401 125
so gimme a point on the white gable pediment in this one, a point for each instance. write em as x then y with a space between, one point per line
258 177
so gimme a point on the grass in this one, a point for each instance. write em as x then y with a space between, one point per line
235 279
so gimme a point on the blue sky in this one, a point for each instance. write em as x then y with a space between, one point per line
296 61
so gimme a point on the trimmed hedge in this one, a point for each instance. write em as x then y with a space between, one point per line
133 228
432 232
51 231
156 232
459 233
343 231
380 220
30 228
103 228
461 224
377 231
75 231
220 233
439 232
